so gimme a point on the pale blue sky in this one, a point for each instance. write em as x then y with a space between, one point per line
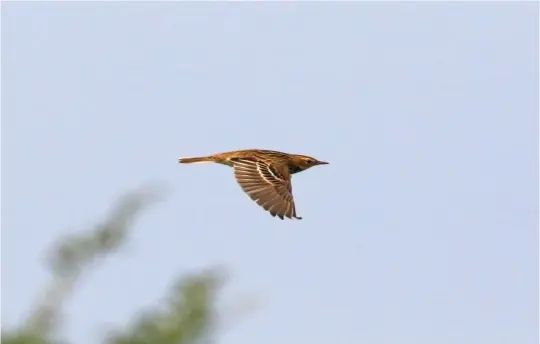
422 229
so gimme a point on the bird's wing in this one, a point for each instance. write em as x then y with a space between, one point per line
268 184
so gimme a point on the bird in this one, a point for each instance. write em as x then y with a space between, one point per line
264 175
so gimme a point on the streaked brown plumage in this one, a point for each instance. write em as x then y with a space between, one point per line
264 175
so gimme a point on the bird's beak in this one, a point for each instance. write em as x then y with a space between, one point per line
322 163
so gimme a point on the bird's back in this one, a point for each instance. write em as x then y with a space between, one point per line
256 154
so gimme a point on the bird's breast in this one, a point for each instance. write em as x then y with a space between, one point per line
294 169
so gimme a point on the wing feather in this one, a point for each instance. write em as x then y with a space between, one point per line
268 184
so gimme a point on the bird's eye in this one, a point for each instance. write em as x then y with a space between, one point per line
309 161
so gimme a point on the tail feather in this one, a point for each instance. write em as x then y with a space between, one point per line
195 160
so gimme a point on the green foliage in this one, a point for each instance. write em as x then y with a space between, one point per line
187 315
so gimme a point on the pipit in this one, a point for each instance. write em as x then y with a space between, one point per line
264 175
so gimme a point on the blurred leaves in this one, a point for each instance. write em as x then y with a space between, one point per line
186 316
74 252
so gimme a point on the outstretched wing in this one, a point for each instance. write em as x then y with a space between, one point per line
267 184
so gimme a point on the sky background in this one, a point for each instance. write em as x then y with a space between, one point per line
422 230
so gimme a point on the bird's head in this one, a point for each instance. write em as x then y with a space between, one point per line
304 162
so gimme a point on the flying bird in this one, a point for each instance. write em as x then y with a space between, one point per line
265 175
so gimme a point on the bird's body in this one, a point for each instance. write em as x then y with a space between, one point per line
265 175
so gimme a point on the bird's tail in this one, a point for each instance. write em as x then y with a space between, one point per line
196 160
